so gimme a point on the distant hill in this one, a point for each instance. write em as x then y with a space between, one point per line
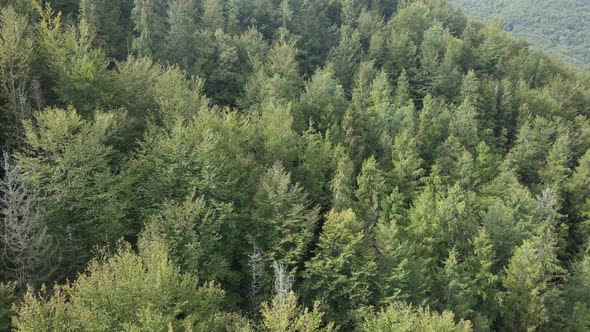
559 27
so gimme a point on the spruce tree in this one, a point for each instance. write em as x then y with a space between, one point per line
342 273
151 26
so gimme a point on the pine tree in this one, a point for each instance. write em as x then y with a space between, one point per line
532 294
580 199
346 57
106 25
370 192
486 163
470 90
363 132
151 26
317 164
556 169
341 275
279 139
284 221
485 281
343 186
7 299
432 128
278 80
394 259
456 286
577 304
407 165
212 17
183 38
76 71
323 103
16 57
464 125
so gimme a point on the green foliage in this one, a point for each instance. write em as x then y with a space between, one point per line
323 103
284 315
284 221
106 25
7 298
403 317
401 273
149 18
532 296
370 191
369 151
575 293
16 57
341 274
558 27
78 73
128 291
68 160
196 234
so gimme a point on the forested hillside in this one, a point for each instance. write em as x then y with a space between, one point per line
292 165
561 28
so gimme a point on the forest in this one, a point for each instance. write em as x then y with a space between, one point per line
287 165
560 28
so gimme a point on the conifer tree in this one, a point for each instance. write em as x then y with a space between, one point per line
317 163
279 139
577 304
407 165
432 128
580 199
346 57
105 22
532 294
16 57
397 264
284 221
151 26
343 186
342 273
212 17
323 103
77 72
484 280
183 37
558 161
278 80
456 285
370 191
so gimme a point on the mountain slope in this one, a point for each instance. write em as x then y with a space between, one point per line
560 27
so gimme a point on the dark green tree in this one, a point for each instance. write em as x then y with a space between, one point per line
342 273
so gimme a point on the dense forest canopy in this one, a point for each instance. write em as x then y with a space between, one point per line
287 165
560 28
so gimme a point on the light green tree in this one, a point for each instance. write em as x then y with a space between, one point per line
405 318
128 291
